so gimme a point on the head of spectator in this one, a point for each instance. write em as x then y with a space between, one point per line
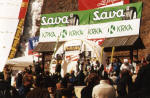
126 61
1 76
148 58
107 61
104 75
92 79
38 93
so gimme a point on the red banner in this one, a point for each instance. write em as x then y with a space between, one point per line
91 4
23 9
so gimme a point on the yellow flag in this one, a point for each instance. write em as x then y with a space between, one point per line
112 54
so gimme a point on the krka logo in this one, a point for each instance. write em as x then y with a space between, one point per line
63 34
121 28
112 29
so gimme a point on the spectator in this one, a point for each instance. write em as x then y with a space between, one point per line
7 91
142 83
91 81
38 93
25 88
104 89
19 80
126 66
80 78
124 85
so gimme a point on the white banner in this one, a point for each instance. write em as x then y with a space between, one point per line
9 12
94 31
10 8
7 33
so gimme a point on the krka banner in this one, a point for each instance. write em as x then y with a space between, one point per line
92 24
91 4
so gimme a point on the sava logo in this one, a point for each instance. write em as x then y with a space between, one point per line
72 19
63 34
122 28
125 14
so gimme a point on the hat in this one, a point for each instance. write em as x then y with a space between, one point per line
125 60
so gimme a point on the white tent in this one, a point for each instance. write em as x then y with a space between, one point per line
22 62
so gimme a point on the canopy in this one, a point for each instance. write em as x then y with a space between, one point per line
22 62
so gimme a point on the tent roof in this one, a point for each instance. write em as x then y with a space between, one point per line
123 43
47 46
22 61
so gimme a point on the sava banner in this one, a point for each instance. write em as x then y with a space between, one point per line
94 16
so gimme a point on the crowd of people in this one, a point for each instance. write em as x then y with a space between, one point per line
112 80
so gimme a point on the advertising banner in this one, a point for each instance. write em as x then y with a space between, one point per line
93 31
65 19
9 19
10 9
7 33
21 17
119 13
95 16
91 4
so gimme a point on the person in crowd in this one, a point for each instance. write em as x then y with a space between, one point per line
80 78
7 74
141 86
91 80
116 66
19 80
72 77
30 68
25 88
41 90
88 64
104 89
7 91
126 66
108 67
65 88
124 84
38 93
38 68
77 66
58 68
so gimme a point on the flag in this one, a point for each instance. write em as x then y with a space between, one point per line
33 42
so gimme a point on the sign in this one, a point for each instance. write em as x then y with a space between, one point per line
95 16
33 42
9 31
91 4
64 19
93 31
19 29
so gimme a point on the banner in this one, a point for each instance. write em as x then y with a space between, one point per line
33 42
93 31
91 4
21 16
8 24
95 16
65 19
119 13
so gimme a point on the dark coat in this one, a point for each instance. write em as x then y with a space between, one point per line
6 91
142 82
